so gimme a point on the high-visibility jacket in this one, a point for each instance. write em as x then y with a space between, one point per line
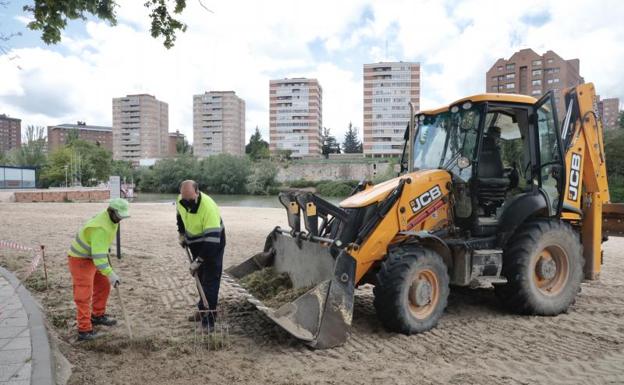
93 241
201 226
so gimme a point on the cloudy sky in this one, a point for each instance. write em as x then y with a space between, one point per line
243 44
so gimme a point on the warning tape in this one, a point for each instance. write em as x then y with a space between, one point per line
33 263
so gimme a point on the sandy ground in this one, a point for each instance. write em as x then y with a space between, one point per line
476 342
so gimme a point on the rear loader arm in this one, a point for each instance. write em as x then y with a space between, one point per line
586 189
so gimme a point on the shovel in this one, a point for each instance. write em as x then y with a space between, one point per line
197 282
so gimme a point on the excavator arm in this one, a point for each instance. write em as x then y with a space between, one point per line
586 200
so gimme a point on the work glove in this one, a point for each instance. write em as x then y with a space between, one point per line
195 266
114 279
182 240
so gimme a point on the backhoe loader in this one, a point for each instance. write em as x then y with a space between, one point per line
492 189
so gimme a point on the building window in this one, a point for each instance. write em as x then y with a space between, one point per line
537 62
536 82
536 72
510 67
550 61
499 68
510 76
494 88
510 85
536 92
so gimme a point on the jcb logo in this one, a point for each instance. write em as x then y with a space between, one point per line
425 199
575 177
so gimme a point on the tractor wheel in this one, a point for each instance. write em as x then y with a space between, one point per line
543 264
412 290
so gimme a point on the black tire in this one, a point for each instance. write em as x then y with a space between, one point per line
530 289
397 297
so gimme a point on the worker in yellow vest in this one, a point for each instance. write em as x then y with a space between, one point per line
201 229
92 275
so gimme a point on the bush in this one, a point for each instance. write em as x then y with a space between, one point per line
262 180
224 174
302 183
336 188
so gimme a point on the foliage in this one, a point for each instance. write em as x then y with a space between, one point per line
302 183
224 174
51 16
614 153
257 148
336 188
183 146
283 155
621 120
32 151
123 169
352 144
80 161
262 180
329 143
388 174
165 176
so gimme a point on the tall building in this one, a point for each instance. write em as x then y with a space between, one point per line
173 142
528 73
140 128
296 116
388 89
609 110
218 124
10 133
100 135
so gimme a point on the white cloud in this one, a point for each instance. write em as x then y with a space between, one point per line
244 44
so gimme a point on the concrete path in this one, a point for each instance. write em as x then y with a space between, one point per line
25 356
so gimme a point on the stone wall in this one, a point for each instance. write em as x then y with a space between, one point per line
331 171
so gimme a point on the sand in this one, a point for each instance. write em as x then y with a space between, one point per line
476 341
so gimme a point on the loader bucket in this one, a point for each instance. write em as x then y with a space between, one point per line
322 316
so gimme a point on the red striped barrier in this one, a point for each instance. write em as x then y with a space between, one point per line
34 263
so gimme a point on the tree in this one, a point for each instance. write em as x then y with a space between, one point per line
225 174
352 144
51 16
621 120
183 146
72 135
329 143
257 148
262 180
83 162
32 151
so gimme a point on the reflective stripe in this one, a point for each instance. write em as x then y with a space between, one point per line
99 255
205 232
82 244
102 266
204 239
80 253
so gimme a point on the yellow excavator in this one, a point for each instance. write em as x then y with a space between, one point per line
491 190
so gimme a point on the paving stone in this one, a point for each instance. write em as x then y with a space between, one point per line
11 331
23 373
14 356
17 344
8 370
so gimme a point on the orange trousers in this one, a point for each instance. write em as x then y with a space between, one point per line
91 289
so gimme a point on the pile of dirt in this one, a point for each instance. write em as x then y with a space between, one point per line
273 288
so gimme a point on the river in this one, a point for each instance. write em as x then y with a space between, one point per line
225 200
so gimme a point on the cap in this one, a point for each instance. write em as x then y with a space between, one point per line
120 206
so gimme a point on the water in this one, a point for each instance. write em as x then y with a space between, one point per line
224 200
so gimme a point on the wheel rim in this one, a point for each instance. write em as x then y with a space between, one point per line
423 293
551 270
